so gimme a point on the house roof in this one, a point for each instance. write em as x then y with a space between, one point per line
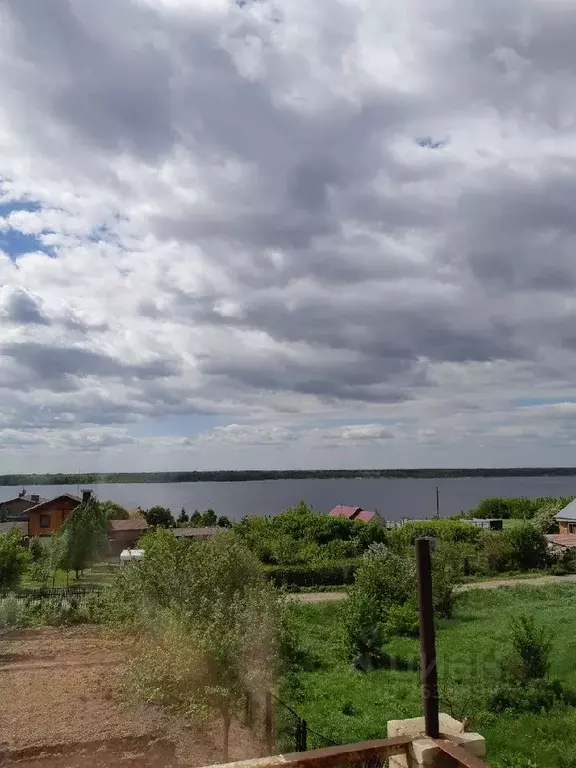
22 527
562 540
132 524
31 498
568 513
342 511
353 513
44 502
196 533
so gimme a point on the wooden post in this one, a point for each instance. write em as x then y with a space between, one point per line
269 723
428 671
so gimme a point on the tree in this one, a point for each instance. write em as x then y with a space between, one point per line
158 516
545 518
209 518
383 580
13 560
526 547
196 519
3 513
114 511
183 517
35 549
84 532
210 626
224 522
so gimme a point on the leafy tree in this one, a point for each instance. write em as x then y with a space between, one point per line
196 519
545 518
56 554
158 516
224 522
114 511
84 532
3 513
35 550
383 580
209 518
13 560
183 517
210 627
526 547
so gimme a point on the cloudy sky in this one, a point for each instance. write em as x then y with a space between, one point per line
287 233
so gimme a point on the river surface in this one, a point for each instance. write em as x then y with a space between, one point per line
393 498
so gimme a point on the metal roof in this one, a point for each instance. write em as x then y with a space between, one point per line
568 513
196 533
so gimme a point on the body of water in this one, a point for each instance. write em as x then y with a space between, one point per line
393 498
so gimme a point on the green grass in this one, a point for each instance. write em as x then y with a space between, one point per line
68 579
348 705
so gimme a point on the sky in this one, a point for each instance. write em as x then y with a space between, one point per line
287 234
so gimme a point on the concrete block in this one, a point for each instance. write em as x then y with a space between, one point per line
423 752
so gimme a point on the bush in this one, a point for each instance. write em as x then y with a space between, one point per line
13 560
444 530
531 652
447 571
403 619
526 548
534 696
384 579
13 613
323 574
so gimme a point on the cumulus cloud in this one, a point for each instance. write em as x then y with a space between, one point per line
334 234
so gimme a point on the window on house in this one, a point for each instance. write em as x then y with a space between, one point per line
44 521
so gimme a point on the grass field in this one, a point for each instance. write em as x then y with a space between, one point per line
348 705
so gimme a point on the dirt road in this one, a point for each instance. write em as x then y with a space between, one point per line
535 581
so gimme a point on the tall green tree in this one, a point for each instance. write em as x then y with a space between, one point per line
209 518
84 533
13 560
159 517
183 517
114 511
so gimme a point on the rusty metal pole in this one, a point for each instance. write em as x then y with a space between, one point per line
428 671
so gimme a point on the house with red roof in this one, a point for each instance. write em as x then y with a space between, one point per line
356 513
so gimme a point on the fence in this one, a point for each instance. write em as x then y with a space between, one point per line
53 596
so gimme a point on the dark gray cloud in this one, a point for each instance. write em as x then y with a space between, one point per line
21 308
51 363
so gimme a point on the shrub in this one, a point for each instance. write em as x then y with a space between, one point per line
447 571
444 530
403 619
493 554
13 560
545 519
322 574
383 579
13 613
534 696
526 548
531 651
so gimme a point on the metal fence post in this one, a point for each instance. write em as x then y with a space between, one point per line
428 671
269 723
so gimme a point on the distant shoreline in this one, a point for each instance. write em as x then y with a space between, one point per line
227 476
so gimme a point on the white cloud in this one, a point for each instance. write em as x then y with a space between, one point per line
322 234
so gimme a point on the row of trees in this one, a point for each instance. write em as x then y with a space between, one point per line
161 517
521 508
299 535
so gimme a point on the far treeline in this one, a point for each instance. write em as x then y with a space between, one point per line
223 476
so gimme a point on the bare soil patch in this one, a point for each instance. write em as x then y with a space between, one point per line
60 707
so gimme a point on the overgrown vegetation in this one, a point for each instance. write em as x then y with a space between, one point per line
518 508
487 635
208 627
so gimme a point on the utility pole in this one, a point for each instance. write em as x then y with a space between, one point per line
437 502
428 671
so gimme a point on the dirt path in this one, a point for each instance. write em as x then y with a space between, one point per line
534 581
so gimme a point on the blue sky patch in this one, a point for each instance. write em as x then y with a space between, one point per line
524 402
14 242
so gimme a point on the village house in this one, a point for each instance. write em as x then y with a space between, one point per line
47 517
566 518
16 509
356 513
125 534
